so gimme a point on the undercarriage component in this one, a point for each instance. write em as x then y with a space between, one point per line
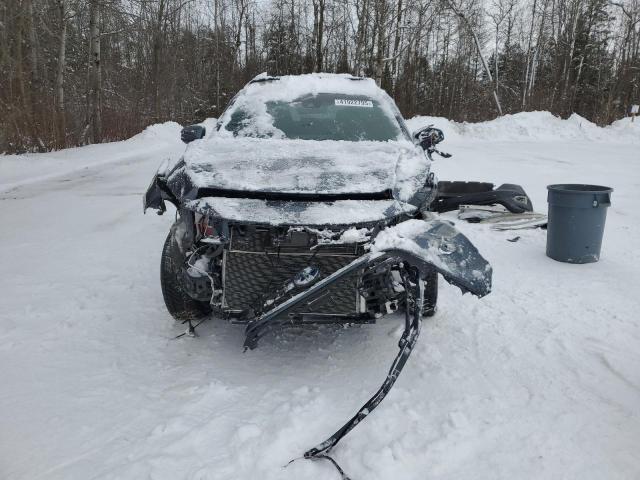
381 288
196 284
200 274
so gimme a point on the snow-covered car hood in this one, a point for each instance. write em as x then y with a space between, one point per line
308 167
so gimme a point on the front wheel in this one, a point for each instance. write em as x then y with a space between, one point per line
180 305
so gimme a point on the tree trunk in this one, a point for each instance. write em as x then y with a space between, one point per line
217 56
381 18
528 57
396 47
155 59
569 60
59 85
95 73
318 10
361 36
536 53
33 52
241 12
495 57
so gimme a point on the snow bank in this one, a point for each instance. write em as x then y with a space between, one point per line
161 139
164 132
529 126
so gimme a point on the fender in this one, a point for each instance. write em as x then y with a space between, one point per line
171 184
153 197
422 244
438 244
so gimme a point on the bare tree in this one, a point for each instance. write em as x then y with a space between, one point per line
60 69
94 123
318 30
500 10
457 9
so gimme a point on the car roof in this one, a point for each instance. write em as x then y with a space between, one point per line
291 86
265 77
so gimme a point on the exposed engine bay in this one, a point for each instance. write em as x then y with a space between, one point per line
349 275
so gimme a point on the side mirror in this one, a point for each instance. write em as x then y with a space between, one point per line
428 137
192 132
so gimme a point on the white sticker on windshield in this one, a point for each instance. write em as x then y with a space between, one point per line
347 102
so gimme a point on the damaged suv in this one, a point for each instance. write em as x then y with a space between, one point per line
311 202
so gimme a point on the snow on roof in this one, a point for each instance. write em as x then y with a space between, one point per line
289 87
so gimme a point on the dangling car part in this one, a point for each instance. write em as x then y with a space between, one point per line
414 302
312 203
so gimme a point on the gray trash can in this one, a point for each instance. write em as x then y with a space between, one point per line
576 221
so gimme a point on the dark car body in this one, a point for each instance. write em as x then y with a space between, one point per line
307 204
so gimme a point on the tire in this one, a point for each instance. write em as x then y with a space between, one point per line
180 305
430 294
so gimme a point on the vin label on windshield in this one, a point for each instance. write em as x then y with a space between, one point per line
347 102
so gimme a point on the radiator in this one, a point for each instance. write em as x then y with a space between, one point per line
254 269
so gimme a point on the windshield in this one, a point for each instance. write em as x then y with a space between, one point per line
324 116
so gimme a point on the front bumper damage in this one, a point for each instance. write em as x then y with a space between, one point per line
423 245
415 247
390 264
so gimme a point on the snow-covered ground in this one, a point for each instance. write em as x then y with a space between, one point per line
538 380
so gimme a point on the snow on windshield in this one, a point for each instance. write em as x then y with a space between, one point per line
313 107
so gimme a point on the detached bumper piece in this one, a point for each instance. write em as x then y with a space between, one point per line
453 194
413 249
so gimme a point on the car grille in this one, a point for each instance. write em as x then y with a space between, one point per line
254 269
